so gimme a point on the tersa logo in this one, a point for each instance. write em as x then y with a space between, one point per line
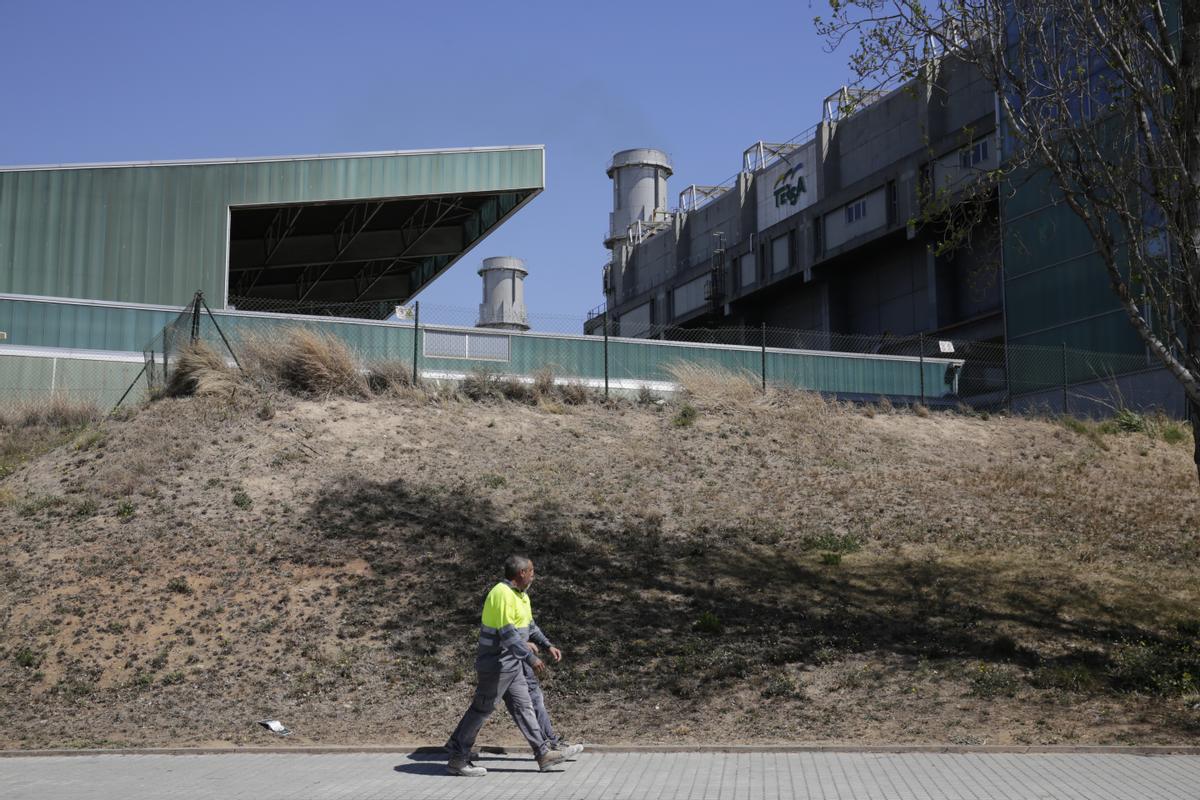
789 187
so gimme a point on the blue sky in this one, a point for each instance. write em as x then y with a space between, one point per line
135 81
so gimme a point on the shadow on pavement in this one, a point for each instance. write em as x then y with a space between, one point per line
439 753
432 768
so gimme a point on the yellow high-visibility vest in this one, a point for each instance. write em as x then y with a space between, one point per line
506 606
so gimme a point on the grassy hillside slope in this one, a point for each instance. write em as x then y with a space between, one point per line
761 570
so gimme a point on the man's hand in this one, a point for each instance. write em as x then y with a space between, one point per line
539 666
533 648
555 653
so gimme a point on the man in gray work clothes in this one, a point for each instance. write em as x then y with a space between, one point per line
504 631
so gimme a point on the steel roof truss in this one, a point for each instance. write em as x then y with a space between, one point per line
355 222
371 274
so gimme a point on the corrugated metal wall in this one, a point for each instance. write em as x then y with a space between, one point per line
582 357
38 323
1058 293
156 233
522 354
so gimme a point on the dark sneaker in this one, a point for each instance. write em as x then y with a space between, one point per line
567 749
551 758
466 769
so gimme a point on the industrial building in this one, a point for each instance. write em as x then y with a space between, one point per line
98 261
815 233
96 258
833 232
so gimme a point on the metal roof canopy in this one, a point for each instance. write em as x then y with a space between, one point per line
329 257
299 232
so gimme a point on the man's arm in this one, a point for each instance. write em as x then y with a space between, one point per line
537 637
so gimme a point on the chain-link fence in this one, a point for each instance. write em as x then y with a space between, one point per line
30 377
441 343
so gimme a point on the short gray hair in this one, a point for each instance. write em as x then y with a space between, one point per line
514 565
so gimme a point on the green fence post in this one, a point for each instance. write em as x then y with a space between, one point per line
921 354
605 353
1064 378
1007 372
764 358
416 338
196 317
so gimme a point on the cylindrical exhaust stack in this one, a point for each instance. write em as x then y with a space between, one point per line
503 303
639 179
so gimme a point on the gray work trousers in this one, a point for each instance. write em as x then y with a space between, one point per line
511 685
539 705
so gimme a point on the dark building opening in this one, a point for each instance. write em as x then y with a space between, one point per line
353 259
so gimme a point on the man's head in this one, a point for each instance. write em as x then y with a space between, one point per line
519 570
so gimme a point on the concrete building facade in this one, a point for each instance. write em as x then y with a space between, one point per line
816 234
835 232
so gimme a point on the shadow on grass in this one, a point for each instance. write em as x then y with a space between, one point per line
627 600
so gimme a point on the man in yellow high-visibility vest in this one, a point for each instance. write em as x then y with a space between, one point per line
504 632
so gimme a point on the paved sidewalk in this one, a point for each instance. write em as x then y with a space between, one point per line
636 776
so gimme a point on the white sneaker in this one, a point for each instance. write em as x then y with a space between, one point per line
465 769
568 750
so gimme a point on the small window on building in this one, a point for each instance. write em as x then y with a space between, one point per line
856 211
974 155
746 271
780 254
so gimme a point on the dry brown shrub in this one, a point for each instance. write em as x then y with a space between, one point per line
574 393
305 363
716 386
30 429
543 383
481 384
58 411
808 410
200 370
517 390
389 377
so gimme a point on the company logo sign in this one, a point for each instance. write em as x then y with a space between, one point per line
789 187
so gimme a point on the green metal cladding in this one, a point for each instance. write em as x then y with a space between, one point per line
582 357
155 233
1057 289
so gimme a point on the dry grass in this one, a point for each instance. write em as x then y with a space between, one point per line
200 370
884 579
34 428
716 387
482 385
390 377
305 363
58 411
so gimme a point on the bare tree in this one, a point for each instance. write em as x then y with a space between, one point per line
1103 96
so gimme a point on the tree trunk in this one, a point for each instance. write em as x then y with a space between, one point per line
1196 437
1188 98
